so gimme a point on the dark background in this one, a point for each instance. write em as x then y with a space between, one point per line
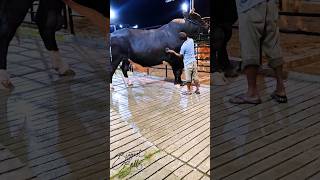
148 13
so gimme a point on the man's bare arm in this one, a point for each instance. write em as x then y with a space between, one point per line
174 53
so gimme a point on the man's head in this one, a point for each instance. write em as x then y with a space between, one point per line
183 36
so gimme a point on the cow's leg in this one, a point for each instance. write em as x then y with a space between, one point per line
49 20
114 65
125 67
177 72
12 14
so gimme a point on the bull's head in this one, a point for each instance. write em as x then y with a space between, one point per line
195 24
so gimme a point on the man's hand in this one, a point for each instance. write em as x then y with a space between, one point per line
170 51
173 52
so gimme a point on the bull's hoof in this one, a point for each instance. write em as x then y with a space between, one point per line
68 72
6 86
111 87
177 85
130 84
5 83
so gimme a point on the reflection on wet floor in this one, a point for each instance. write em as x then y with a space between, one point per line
270 140
153 116
54 127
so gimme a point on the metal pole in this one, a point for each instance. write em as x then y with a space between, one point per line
191 4
166 71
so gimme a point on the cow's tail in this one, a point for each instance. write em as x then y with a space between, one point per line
17 36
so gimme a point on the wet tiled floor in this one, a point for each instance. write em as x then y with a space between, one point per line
270 140
54 127
166 131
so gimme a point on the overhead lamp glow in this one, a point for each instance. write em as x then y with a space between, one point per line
112 14
184 7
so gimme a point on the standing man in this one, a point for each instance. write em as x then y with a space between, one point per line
224 16
258 27
190 63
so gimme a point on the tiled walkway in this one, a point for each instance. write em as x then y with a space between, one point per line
54 127
270 140
168 132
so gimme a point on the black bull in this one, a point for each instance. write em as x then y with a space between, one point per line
147 47
48 19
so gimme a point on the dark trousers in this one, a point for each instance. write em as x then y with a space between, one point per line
219 56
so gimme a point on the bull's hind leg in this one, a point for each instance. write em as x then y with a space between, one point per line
12 14
114 65
125 67
49 20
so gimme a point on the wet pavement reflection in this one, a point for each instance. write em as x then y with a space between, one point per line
54 127
153 115
269 140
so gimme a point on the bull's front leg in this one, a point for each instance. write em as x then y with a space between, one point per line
177 72
59 65
48 19
10 19
125 67
5 83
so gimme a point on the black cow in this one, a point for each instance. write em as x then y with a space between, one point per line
48 19
147 47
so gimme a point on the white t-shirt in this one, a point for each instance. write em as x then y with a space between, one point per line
187 50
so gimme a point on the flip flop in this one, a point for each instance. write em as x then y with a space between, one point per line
244 99
197 92
278 98
7 85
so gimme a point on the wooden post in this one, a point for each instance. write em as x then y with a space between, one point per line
166 71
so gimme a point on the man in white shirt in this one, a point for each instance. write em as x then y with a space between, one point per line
190 63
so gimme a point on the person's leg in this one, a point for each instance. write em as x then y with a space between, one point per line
280 89
251 72
196 78
251 24
188 74
271 47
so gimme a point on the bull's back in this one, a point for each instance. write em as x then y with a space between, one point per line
145 47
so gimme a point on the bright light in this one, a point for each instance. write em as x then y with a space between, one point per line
184 7
120 26
135 27
112 14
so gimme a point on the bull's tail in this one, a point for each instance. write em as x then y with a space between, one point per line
17 37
